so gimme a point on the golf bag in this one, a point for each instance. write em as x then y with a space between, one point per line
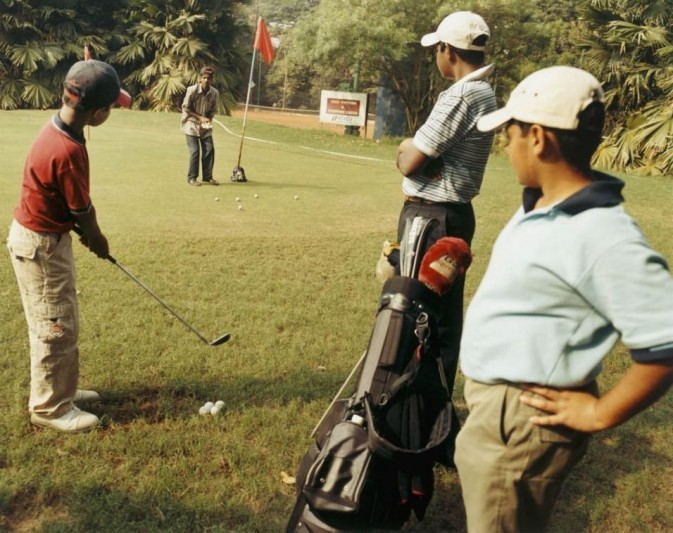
371 464
238 175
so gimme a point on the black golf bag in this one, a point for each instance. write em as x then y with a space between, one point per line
371 464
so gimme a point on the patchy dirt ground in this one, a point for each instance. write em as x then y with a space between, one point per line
295 120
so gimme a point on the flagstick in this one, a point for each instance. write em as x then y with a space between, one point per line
247 102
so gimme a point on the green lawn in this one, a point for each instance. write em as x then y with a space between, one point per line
293 281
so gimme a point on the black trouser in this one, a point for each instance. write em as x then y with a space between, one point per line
455 220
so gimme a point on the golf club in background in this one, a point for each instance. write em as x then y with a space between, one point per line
219 340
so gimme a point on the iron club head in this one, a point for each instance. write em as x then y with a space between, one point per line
221 340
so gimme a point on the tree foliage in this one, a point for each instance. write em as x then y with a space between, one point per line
378 42
40 40
169 43
158 46
629 46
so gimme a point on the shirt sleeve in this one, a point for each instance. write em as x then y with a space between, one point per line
445 127
74 183
631 286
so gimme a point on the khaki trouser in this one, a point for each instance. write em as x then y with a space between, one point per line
510 470
45 271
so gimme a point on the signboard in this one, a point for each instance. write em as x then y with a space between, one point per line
348 109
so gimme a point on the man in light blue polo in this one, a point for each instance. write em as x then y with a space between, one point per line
569 276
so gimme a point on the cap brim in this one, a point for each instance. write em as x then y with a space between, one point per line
495 120
430 39
124 99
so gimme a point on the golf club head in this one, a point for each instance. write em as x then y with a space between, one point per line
221 340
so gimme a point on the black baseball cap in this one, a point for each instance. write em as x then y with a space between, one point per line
92 83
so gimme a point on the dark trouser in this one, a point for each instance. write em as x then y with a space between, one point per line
455 220
202 146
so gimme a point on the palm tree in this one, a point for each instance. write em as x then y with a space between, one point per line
170 42
40 40
629 46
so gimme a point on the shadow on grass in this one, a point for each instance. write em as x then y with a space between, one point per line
593 486
590 489
105 509
182 399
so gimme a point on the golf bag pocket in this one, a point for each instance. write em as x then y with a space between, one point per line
335 480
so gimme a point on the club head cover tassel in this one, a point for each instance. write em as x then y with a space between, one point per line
389 260
443 263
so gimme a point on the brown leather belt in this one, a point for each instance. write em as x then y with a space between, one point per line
417 200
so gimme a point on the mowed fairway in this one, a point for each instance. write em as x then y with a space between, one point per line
293 281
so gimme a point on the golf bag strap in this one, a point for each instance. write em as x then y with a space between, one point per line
297 511
386 449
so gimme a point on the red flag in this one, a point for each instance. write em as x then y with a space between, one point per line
263 41
87 54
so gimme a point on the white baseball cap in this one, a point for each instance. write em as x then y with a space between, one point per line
459 29
552 97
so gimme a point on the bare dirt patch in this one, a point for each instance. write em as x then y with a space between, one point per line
296 120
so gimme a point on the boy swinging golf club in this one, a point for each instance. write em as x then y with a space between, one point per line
55 196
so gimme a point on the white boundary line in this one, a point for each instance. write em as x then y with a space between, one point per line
328 152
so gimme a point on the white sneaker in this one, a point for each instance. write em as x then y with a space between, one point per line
83 395
73 421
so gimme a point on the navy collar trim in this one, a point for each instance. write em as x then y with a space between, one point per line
603 191
58 122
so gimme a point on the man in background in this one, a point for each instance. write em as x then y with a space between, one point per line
198 109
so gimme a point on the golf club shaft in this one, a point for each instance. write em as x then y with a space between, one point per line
149 291
338 394
153 295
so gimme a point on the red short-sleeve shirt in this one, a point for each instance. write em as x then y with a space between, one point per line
55 180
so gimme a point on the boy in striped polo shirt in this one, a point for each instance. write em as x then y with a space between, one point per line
443 164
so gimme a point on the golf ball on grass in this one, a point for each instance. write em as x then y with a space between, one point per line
217 199
296 197
206 408
215 410
240 208
256 195
238 199
219 404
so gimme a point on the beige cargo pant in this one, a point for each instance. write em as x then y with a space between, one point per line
511 471
45 271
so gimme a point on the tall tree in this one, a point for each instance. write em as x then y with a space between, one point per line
629 46
380 41
172 39
39 40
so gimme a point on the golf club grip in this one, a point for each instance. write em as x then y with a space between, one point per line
79 232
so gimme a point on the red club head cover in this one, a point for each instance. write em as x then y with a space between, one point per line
443 263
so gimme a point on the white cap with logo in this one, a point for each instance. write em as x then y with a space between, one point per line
459 29
552 97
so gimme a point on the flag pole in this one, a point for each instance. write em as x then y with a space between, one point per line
247 103
239 174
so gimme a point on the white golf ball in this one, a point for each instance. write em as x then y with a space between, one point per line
219 404
217 199
205 408
214 410
296 197
238 199
240 208
256 195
